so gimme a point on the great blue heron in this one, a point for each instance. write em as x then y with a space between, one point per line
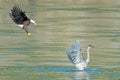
20 18
75 55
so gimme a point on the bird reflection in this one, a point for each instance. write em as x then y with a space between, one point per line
81 75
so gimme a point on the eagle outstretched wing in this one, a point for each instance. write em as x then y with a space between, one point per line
17 15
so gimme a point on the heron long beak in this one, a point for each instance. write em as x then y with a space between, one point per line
91 46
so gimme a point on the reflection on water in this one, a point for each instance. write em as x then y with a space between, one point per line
60 22
81 75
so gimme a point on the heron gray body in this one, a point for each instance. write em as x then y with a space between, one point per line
75 55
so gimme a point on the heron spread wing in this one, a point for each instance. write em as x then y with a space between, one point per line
17 15
74 53
75 45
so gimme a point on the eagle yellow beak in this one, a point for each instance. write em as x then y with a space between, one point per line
29 34
35 23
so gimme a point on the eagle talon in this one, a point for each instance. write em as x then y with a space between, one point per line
28 34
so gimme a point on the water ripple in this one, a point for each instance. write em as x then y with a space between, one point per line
58 69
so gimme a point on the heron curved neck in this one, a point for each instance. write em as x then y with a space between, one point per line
88 55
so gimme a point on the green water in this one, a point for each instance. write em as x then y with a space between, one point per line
42 56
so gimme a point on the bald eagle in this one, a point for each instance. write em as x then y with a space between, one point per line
20 18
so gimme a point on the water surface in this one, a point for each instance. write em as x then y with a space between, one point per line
42 56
